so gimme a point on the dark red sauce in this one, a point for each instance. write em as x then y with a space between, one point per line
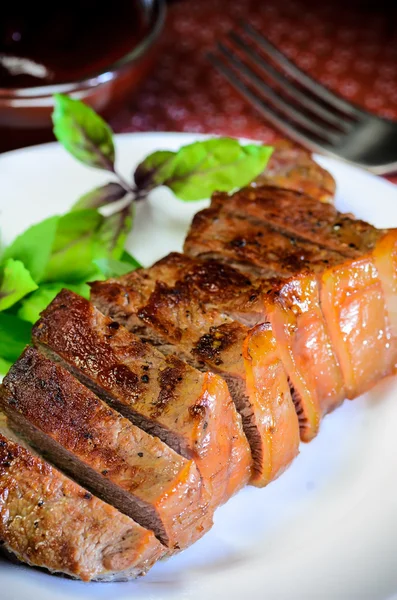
60 42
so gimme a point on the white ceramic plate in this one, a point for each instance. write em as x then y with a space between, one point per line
328 527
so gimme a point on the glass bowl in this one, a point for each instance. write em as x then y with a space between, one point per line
25 113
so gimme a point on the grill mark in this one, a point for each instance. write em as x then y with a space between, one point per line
122 376
211 345
162 299
168 379
214 277
323 224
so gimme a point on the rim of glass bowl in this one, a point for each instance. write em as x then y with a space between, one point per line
159 11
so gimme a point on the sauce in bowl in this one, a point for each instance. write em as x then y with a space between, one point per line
44 44
97 52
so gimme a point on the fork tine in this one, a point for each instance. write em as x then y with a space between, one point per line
268 113
289 67
307 103
269 94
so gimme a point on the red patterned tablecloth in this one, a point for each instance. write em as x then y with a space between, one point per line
349 46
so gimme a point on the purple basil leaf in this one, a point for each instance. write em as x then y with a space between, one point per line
100 196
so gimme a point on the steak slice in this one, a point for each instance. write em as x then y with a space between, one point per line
266 378
190 411
175 320
339 288
356 311
48 521
125 466
385 259
300 216
255 248
291 167
291 306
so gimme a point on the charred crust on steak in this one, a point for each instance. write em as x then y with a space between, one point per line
168 379
211 345
10 454
122 376
164 298
214 277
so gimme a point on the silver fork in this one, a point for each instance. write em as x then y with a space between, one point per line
303 109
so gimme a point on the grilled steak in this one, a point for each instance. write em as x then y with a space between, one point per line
255 248
48 521
171 317
299 216
293 168
291 306
133 470
291 302
336 291
190 411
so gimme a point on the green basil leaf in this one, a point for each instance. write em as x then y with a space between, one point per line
127 258
113 233
154 170
31 307
197 170
33 247
115 268
100 196
5 366
74 246
16 283
83 133
14 336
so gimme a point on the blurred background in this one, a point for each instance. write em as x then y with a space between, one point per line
349 46
169 85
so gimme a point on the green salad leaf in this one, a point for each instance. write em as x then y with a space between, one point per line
32 306
83 133
75 246
115 268
14 336
198 169
127 258
33 247
100 196
16 283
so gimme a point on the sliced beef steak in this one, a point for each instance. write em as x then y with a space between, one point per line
291 167
302 217
338 296
174 318
136 472
291 306
190 411
48 521
267 380
255 248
